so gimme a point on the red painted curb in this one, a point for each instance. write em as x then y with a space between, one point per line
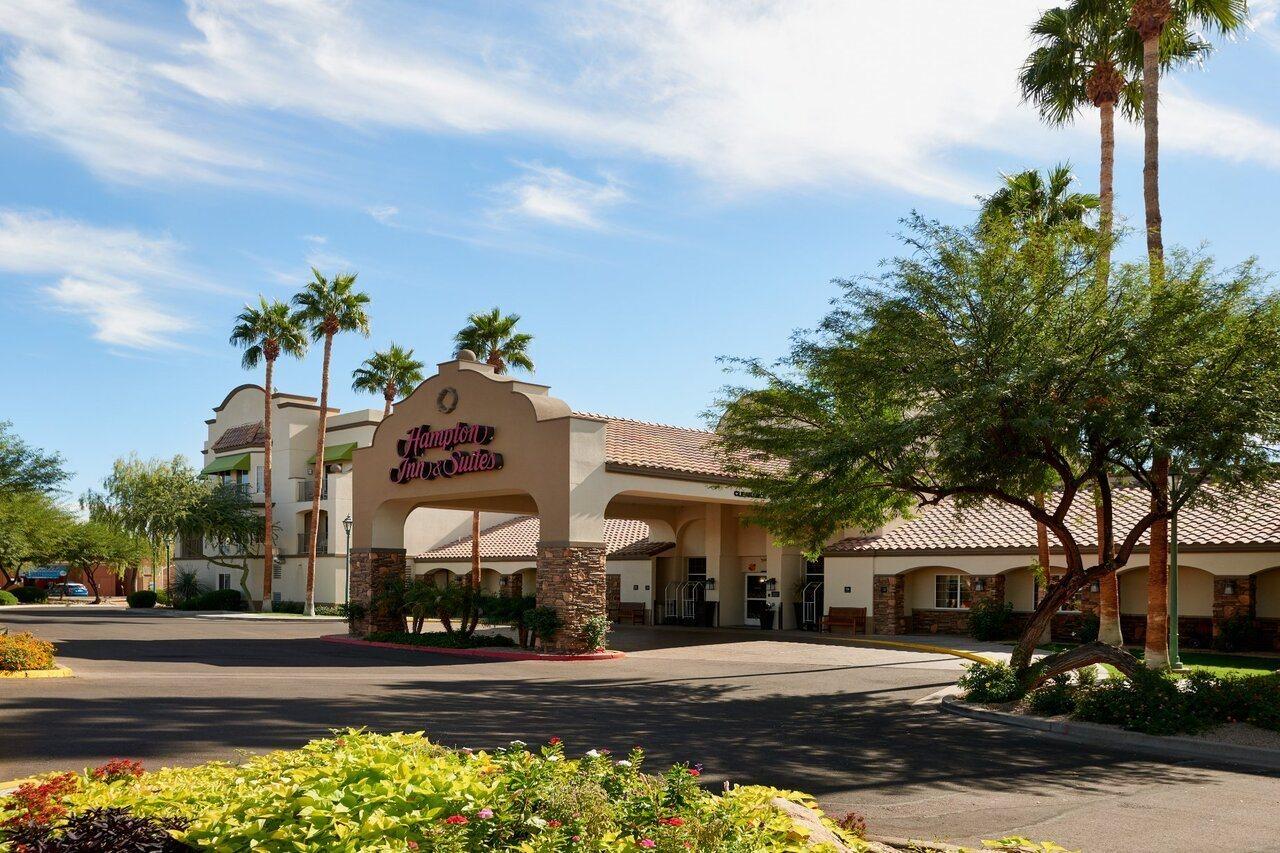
488 654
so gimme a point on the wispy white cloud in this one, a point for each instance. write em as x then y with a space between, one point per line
107 276
553 195
749 95
383 213
87 82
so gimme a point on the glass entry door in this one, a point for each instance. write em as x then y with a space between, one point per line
757 591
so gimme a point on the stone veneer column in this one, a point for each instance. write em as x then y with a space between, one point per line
571 578
992 588
1241 602
370 568
889 604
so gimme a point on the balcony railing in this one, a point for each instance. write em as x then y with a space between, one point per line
304 545
307 490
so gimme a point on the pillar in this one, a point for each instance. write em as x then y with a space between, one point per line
571 579
375 574
889 604
1240 601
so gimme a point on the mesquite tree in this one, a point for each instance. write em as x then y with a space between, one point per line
987 366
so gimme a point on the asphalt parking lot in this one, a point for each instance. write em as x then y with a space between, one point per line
835 721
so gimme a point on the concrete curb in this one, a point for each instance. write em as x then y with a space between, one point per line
917 647
1096 734
56 672
485 654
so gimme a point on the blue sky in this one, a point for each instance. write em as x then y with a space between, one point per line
649 183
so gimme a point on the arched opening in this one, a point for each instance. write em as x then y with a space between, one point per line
937 599
1195 605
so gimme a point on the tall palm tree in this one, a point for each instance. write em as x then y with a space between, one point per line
264 332
388 373
1158 23
492 336
326 307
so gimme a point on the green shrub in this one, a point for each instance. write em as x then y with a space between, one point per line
218 599
288 607
1056 698
595 630
398 792
24 651
543 623
1149 702
331 610
30 594
990 619
7 599
163 599
1236 634
990 682
141 599
187 586
442 640
1087 632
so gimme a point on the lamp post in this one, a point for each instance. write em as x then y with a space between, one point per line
346 525
1174 661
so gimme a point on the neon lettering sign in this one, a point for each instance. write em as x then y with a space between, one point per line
423 438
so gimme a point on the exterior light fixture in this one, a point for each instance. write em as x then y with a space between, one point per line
1229 588
979 584
347 524
711 583
772 583
1094 587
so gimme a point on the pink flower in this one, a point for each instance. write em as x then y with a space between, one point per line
554 741
457 820
648 842
484 814
554 824
693 771
671 821
413 845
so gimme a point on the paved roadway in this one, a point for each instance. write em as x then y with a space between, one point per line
835 721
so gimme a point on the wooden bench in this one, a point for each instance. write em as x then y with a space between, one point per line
629 612
853 618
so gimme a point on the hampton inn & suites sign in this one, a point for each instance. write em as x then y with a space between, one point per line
453 440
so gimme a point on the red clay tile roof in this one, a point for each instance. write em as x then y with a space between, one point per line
1253 521
517 538
661 447
244 435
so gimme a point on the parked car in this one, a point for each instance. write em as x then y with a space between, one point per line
68 590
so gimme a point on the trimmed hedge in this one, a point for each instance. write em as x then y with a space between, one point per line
7 599
142 599
19 652
30 594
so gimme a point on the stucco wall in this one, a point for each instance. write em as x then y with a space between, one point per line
636 579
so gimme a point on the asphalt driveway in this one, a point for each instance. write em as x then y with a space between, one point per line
835 721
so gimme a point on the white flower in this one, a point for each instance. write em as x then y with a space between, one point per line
624 763
519 744
593 753
555 758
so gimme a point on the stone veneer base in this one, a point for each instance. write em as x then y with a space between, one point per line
483 653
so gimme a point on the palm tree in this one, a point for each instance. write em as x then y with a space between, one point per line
1159 23
326 307
264 332
1033 201
493 337
387 373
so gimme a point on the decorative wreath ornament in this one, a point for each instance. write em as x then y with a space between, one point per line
447 400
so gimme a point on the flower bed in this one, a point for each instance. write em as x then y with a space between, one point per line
24 652
361 791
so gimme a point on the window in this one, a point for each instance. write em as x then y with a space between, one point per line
260 481
224 580
814 568
697 569
277 569
950 592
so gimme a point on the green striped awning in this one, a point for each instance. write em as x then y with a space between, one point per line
223 464
337 452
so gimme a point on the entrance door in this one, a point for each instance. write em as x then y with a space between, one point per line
757 591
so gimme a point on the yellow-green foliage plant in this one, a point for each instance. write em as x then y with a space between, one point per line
20 652
359 791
